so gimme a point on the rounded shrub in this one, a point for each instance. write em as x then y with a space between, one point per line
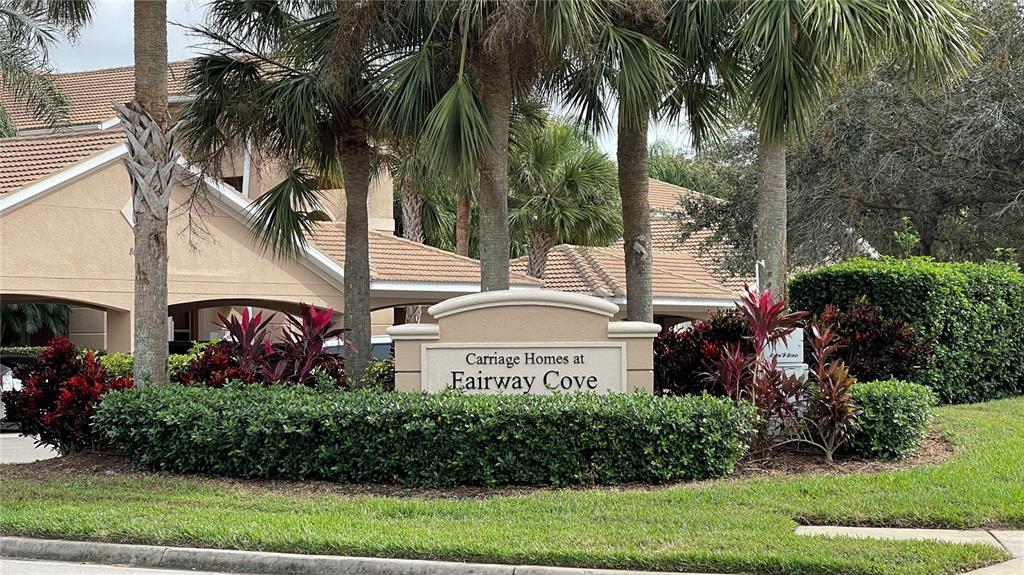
117 364
425 439
894 417
972 313
380 374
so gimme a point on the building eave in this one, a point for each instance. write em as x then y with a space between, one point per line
40 188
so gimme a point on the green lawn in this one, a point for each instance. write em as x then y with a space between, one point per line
725 526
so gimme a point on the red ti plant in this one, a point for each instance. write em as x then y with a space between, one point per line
301 348
249 342
755 376
727 370
831 416
768 322
822 414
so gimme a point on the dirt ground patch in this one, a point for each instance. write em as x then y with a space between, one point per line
934 448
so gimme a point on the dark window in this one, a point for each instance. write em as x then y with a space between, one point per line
182 326
235 182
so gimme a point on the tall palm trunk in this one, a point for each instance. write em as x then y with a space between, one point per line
636 218
412 229
541 242
463 222
496 95
412 211
151 162
355 168
771 215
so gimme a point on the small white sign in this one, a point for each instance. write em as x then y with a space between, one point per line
524 368
790 349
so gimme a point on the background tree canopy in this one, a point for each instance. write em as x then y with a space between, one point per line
950 160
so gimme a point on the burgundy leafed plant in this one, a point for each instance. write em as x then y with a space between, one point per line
240 357
59 395
301 348
875 346
681 355
248 339
249 356
832 415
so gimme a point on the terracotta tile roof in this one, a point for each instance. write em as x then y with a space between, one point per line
664 197
25 160
91 93
681 268
601 272
397 259
666 236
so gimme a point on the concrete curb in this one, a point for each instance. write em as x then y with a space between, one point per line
261 563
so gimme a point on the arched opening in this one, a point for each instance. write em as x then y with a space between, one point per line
199 320
90 324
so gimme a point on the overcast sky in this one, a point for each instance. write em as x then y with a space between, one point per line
108 43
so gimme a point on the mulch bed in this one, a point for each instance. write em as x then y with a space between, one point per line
934 449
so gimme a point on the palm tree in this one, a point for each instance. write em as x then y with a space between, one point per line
466 64
563 191
152 162
298 86
665 58
20 320
797 51
28 28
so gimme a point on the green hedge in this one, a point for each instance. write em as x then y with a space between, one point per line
974 313
120 364
22 349
425 440
380 374
117 364
894 417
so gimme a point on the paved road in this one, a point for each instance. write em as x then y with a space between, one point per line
19 567
15 448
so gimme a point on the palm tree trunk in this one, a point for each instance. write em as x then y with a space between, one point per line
636 219
412 211
463 223
541 242
496 95
771 215
150 163
355 168
412 229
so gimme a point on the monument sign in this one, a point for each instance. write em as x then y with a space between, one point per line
524 342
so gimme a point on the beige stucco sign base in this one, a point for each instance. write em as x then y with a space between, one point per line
524 342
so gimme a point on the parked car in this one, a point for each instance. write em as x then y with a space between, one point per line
9 361
380 347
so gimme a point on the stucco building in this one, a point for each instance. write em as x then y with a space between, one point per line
66 237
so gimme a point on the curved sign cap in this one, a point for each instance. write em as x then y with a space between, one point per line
504 298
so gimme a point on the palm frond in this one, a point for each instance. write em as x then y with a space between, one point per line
69 16
640 71
456 131
284 217
24 76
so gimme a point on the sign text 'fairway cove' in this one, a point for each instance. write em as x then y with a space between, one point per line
524 342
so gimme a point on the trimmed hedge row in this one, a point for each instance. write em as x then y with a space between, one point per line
894 417
425 440
974 314
22 349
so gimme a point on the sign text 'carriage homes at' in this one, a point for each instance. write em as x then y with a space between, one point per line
548 342
525 367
